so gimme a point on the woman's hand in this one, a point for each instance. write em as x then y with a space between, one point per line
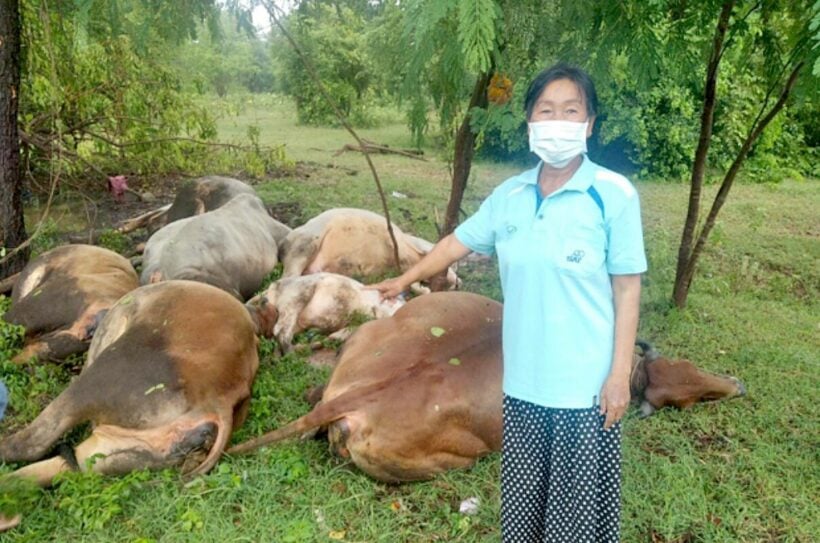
626 291
443 253
614 398
389 288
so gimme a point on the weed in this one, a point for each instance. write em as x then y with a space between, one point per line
113 240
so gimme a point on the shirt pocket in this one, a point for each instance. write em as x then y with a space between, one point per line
582 250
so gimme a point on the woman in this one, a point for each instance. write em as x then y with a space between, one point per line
570 250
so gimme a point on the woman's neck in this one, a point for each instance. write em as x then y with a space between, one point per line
551 179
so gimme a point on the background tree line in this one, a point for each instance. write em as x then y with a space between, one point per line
112 86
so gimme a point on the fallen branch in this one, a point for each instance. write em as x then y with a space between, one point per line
382 149
148 218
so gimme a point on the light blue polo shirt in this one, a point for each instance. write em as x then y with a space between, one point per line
555 264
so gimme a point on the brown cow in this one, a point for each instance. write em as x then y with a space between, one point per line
351 242
61 295
232 248
168 378
657 382
414 394
326 301
420 392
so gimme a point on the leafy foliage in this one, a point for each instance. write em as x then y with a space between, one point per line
647 59
334 39
234 60
11 335
99 92
477 32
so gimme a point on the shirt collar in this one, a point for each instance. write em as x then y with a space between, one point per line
580 180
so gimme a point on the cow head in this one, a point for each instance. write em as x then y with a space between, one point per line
263 313
658 381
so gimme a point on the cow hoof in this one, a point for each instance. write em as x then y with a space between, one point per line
741 388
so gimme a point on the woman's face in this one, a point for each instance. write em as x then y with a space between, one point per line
562 100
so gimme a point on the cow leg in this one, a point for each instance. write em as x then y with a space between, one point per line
35 440
240 412
284 330
297 255
417 289
56 345
342 334
7 523
113 450
43 473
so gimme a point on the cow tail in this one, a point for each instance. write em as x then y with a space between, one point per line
323 414
223 434
296 427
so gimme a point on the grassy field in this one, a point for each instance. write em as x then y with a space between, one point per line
744 470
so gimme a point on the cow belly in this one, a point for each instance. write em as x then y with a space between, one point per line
412 448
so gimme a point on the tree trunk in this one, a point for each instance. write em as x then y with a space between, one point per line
462 162
729 178
463 154
12 227
681 289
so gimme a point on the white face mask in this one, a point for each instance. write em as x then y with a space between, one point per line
558 142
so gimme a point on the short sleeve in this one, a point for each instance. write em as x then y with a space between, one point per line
626 253
477 232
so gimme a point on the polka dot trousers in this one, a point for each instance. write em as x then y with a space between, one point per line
560 475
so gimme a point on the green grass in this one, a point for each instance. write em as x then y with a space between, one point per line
743 470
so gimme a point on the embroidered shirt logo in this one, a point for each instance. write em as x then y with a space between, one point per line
576 256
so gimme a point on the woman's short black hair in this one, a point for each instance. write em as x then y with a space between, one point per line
562 71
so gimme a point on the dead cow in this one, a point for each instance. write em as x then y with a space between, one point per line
658 382
232 248
420 392
205 194
168 378
351 242
414 394
195 197
61 295
326 301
